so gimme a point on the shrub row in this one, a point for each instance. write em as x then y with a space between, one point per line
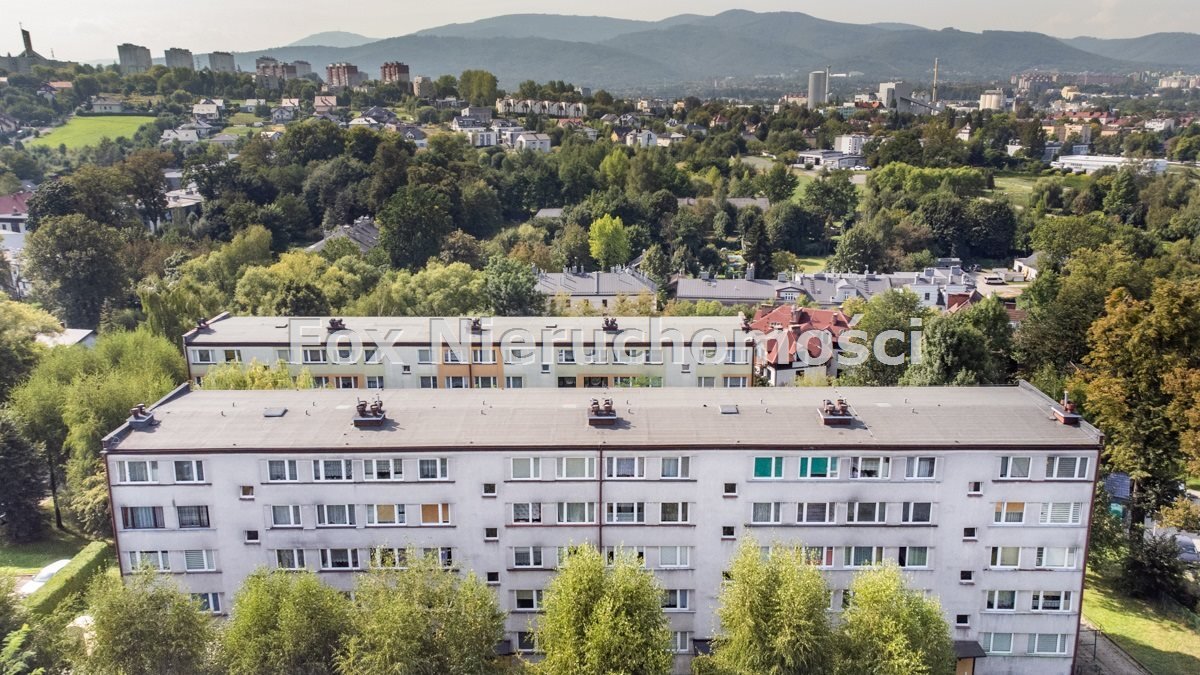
73 578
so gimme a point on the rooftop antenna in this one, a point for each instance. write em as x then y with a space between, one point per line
935 79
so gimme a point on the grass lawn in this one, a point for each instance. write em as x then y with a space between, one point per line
244 118
244 131
29 558
1193 483
80 132
1161 639
811 264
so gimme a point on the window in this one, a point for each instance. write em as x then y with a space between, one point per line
429 382
451 356
920 467
975 487
736 382
870 467
489 489
970 533
251 536
335 515
737 355
566 382
385 514
1063 468
289 559
424 355
526 468
1047 643
345 382
284 355
525 643
612 552
625 512
233 355
200 560
344 354
1001 601
527 512
676 600
514 382
863 556
917 512
443 554
1051 601
371 355
528 600
818 467
385 557
493 578
1009 513
191 517
189 471
674 556
209 602
996 643
485 382
673 512
821 556
766 513
1006 556
339 558
433 468
706 381
383 469
576 512
527 556
491 534
625 467
517 355
1014 467
681 641
1055 557
866 512
566 356
966 577
202 356
727 531
281 470
153 559
139 471
435 514
142 518
456 382
913 556
1061 513
483 356
333 469
768 467
676 467
730 490
320 382
577 467
962 620
315 355
816 513
285 516
374 382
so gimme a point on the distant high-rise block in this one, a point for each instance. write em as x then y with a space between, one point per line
180 58
221 62
133 58
393 72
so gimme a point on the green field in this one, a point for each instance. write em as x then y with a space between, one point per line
81 132
1019 186
244 118
1164 640
29 558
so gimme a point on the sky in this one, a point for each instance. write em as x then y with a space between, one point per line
89 30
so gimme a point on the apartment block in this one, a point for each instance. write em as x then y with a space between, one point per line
981 494
342 75
133 58
487 353
179 58
221 62
394 72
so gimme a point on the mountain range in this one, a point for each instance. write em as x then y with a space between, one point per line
625 54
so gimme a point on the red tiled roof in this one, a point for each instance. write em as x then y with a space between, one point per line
796 321
15 204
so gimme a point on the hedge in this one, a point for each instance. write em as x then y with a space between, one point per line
74 578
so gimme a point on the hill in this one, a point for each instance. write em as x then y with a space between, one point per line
333 38
554 26
1170 49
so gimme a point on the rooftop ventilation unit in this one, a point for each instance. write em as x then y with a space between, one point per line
836 414
336 325
1066 413
367 415
602 415
140 418
610 325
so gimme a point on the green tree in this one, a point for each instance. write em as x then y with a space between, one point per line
19 350
832 196
478 87
968 347
608 241
884 315
1122 197
756 242
254 375
437 290
284 623
774 614
598 616
311 140
792 227
22 485
412 224
144 625
422 618
511 286
1152 568
858 250
614 168
778 183
890 629
74 266
16 658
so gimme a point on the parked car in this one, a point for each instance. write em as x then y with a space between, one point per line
993 280
42 577
1187 549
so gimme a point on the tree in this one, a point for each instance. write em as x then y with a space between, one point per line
511 287
792 227
1152 569
144 625
832 196
478 87
421 618
436 290
21 485
608 241
756 243
886 315
284 622
74 266
412 224
300 298
858 250
311 140
969 347
773 614
19 350
614 168
148 185
890 629
779 183
1122 197
597 616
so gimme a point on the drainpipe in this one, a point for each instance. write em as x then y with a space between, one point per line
600 513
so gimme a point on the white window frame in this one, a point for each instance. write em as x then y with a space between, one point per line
681 641
1075 466
823 557
615 513
530 513
677 600
374 381
988 642
908 513
326 515
297 559
884 468
123 471
1060 644
315 355
774 513
289 469
483 356
589 513
1061 513
393 469
294 517
484 382
531 596
424 355
514 382
210 602
805 471
682 471
682 514
912 468
1070 557
880 513
1037 602
680 557
613 468
735 381
352 558
1003 514
399 516
457 382
776 472
589 465
1009 469
565 356
431 380
207 556
159 561
706 381
532 468
906 552
443 514
534 556
451 355
992 601
195 465
441 466
320 471
851 555
996 559
802 515
199 357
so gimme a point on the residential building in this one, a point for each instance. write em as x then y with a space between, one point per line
14 214
293 103
282 115
983 495
481 137
179 58
597 289
641 138
478 112
221 62
68 337
324 104
1028 266
133 58
272 73
394 72
818 88
831 159
423 87
414 134
511 106
493 352
343 76
532 141
363 233
801 343
101 104
302 68
183 136
207 112
850 144
251 105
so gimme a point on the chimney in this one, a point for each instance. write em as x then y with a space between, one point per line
368 415
836 413
602 414
1066 412
140 418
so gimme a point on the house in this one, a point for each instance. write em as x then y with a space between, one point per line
202 129
181 203
549 213
206 112
668 141
364 122
107 105
1028 266
293 103
68 337
641 139
738 203
282 115
380 115
14 214
597 289
271 135
251 105
185 137
481 137
1160 125
227 141
414 134
324 104
462 124
850 144
800 342
363 232
478 112
534 142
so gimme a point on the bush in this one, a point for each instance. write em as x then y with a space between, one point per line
72 579
1152 567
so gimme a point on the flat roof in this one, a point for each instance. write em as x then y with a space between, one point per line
277 330
899 418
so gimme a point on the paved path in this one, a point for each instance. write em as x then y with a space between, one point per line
1109 659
